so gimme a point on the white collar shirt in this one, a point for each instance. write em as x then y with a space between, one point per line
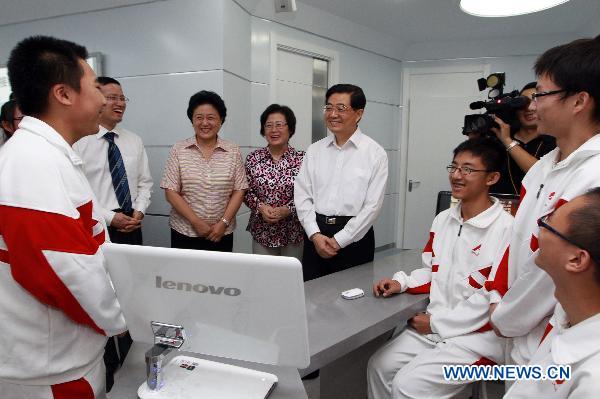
93 150
342 181
578 347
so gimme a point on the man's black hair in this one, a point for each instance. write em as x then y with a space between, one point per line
357 96
38 63
574 67
106 80
207 97
7 114
286 111
584 226
530 85
485 148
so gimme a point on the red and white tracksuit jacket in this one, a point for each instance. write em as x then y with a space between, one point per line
457 260
529 302
57 304
578 347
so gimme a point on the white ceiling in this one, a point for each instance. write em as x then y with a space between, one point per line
414 21
14 11
409 21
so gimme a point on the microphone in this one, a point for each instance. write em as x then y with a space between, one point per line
477 105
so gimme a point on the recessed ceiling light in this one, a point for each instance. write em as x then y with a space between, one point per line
506 8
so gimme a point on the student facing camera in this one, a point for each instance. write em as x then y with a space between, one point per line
464 242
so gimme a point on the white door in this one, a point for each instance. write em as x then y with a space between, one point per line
301 85
437 105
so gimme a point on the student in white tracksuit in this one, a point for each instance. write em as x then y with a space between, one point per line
570 255
57 304
463 245
568 171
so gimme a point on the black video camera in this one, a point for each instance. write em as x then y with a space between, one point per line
500 104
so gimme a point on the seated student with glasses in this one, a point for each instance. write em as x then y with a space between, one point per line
569 253
464 243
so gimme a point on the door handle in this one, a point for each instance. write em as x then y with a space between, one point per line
411 183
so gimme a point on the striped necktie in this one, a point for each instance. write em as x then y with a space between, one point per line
118 173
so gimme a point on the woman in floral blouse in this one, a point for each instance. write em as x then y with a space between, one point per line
271 172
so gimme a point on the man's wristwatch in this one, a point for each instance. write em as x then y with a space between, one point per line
225 221
512 144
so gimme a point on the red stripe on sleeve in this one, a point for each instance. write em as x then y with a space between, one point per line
474 283
500 282
486 327
429 246
100 238
422 289
78 389
435 268
549 328
484 361
534 244
486 271
27 233
4 256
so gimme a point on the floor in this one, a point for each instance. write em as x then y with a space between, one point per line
352 367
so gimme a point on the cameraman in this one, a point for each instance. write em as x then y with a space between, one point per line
524 148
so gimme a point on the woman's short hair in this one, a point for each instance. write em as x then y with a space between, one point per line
286 111
207 97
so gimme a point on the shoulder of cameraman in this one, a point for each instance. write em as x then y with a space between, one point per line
546 144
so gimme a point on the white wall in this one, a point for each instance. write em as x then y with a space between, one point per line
380 78
478 48
163 52
328 26
514 57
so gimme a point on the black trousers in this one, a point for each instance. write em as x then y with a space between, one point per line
116 348
133 238
179 240
115 351
357 253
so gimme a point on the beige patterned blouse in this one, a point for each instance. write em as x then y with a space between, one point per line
205 184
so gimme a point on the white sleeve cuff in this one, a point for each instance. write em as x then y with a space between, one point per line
311 228
402 278
343 238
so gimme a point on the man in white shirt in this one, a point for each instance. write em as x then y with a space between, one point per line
464 243
123 197
57 304
569 253
123 216
339 190
567 105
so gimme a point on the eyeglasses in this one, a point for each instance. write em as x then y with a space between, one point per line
114 99
464 170
542 222
339 108
208 118
535 96
276 125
